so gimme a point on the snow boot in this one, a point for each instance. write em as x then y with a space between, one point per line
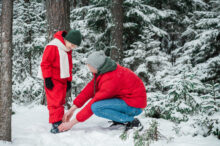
114 123
135 123
55 126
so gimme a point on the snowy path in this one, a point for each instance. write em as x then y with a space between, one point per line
30 128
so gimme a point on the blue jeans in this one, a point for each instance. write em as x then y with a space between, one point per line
115 109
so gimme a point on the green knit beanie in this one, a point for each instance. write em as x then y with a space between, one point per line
74 37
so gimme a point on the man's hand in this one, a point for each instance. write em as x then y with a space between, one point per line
67 125
67 116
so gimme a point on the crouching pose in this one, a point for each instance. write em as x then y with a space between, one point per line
116 93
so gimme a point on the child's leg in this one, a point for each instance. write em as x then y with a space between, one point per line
115 109
56 101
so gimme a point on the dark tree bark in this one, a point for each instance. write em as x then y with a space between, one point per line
85 2
0 36
6 75
58 16
74 3
28 35
0 39
117 30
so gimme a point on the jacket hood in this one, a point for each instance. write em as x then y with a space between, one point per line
109 65
59 35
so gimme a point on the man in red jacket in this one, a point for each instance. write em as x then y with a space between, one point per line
116 93
56 70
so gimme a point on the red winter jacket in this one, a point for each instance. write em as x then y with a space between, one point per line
50 64
121 83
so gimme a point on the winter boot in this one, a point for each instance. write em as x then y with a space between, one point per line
135 123
114 123
55 126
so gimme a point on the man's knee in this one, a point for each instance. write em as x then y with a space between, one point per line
96 108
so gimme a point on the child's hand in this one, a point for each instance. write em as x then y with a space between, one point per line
49 83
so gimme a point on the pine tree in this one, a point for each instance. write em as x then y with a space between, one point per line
187 85
29 33
151 134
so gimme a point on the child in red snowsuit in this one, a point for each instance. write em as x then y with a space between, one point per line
56 68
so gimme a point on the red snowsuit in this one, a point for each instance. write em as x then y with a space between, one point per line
50 67
121 83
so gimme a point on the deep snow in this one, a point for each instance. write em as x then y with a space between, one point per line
30 127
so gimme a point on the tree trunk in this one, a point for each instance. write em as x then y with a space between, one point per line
85 2
74 3
0 40
117 31
28 34
6 75
58 16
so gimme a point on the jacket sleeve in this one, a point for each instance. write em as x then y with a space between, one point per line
107 90
70 66
85 94
47 60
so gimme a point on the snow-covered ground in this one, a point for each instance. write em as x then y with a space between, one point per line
30 127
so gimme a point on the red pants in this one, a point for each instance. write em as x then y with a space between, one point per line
56 100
